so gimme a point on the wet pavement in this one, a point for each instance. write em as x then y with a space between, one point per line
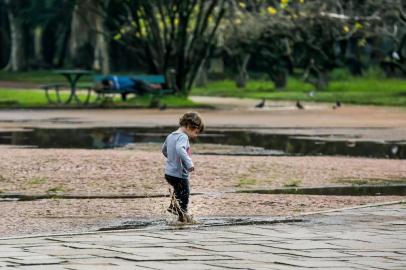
361 238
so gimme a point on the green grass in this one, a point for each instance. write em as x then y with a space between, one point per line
363 90
372 89
37 181
292 183
23 98
57 189
246 182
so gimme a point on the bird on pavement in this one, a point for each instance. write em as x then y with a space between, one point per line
261 104
299 105
337 105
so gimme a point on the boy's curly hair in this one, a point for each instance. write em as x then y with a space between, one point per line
192 120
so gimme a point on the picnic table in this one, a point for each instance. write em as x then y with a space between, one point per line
72 76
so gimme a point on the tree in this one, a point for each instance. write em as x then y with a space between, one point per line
238 35
393 28
89 38
172 35
16 21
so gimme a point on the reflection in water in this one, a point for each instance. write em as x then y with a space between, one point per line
110 140
279 143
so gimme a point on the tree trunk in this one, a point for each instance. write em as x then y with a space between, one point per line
16 60
201 78
279 78
38 45
101 53
88 43
242 76
80 36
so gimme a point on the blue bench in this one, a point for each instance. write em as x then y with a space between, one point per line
127 85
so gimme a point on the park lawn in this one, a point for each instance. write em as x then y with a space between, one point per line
363 90
372 89
23 98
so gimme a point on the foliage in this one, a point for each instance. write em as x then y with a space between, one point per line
173 35
317 36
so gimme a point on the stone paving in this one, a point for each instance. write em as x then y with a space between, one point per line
362 238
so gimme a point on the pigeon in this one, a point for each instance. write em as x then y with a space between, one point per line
261 104
299 105
338 104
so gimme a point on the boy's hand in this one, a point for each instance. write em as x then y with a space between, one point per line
191 169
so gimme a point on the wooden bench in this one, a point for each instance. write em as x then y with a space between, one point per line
149 79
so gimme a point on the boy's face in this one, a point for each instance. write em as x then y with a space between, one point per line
192 133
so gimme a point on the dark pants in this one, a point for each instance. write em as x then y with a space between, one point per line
181 188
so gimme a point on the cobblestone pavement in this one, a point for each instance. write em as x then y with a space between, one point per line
362 238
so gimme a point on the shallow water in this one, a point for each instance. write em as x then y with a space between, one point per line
172 223
267 143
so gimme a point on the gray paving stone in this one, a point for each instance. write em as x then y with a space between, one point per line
354 239
16 242
235 247
259 257
380 263
320 253
306 245
177 266
157 257
348 244
374 254
35 261
97 267
40 267
15 254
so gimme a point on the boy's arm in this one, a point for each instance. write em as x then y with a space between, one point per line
164 150
181 145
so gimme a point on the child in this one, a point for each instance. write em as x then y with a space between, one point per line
179 164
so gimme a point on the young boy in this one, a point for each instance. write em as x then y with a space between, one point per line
179 164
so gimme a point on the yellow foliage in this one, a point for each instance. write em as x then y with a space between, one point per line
358 25
242 4
346 28
271 10
117 37
284 2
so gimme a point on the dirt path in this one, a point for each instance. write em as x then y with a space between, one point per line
139 171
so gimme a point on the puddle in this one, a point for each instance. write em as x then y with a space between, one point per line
170 224
265 144
367 190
